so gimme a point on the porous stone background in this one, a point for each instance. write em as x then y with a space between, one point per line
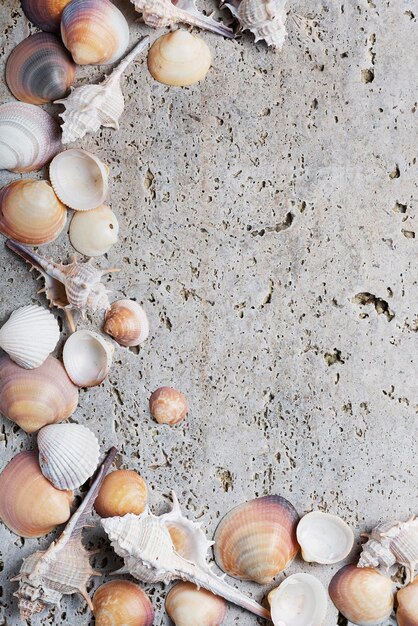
267 224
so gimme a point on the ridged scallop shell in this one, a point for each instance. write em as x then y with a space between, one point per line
94 232
30 212
79 179
68 454
39 69
34 398
362 595
179 59
127 322
186 605
407 600
264 18
87 358
29 336
122 492
324 538
29 137
90 107
300 600
121 602
257 539
168 406
45 13
94 31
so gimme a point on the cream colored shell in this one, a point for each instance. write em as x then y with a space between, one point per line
94 232
127 322
324 538
187 605
87 358
300 600
264 18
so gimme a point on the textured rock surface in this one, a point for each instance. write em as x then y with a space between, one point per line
268 220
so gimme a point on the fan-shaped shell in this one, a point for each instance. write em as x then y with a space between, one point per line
264 18
324 538
39 69
179 59
45 13
87 358
34 398
122 492
300 600
257 539
127 322
168 406
362 595
29 336
29 505
68 454
122 602
30 212
79 179
407 599
186 605
94 232
94 31
29 137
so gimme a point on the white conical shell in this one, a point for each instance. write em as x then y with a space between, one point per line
94 232
68 454
87 358
30 335
264 18
324 538
300 600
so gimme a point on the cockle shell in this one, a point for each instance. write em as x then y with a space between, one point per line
150 555
362 595
87 358
324 538
64 568
122 602
407 599
34 398
29 505
300 600
29 137
45 14
186 605
264 18
179 59
30 212
168 406
90 107
30 335
94 31
161 13
122 492
127 322
68 454
39 69
79 179
257 539
94 232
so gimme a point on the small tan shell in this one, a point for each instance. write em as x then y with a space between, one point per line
407 613
87 358
187 605
122 492
300 600
168 406
94 232
122 603
127 322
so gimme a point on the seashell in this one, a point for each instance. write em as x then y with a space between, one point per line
94 31
79 179
45 14
76 286
87 358
122 492
257 539
29 137
186 605
29 336
127 322
64 568
29 505
362 595
90 107
34 398
145 543
39 69
30 212
407 599
376 552
264 18
300 600
68 454
162 13
324 538
122 602
94 232
179 59
168 406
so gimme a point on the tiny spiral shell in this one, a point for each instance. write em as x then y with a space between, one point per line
187 605
122 602
127 322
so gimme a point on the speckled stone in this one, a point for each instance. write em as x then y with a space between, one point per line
267 225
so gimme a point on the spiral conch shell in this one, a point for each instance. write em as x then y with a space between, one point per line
127 322
45 14
300 600
122 602
152 555
186 605
264 18
407 598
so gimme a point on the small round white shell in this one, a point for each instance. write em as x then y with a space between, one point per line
324 538
300 600
87 358
94 232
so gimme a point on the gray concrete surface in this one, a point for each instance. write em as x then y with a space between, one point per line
255 210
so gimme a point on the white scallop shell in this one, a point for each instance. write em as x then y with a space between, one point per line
300 600
68 454
94 232
79 179
87 358
324 538
30 335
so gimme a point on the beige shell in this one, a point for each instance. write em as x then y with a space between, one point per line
122 492
324 538
300 600
29 336
45 14
94 232
121 602
87 358
186 605
179 59
127 322
168 406
264 18
407 599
